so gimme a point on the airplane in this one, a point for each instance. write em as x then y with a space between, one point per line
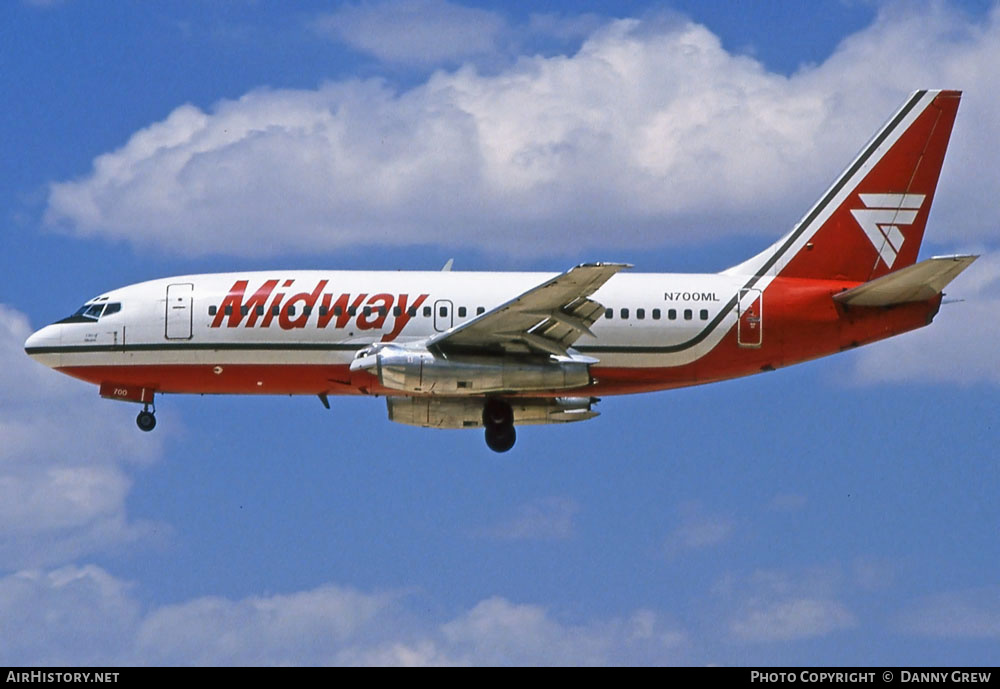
492 350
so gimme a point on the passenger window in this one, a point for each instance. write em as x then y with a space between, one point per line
480 310
244 310
443 311
338 311
624 313
412 311
427 312
229 311
352 310
640 313
672 314
609 313
367 311
688 314
212 310
260 310
704 314
307 310
323 311
396 311
291 310
461 312
656 314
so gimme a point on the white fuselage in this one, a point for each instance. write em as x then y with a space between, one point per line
655 319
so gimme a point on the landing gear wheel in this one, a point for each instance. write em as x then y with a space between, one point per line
500 439
145 421
498 418
497 413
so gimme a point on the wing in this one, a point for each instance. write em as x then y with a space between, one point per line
548 318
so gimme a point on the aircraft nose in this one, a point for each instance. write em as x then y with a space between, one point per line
40 344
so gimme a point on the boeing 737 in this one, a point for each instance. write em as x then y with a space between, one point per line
451 349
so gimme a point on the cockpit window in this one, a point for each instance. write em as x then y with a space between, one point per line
91 312
87 312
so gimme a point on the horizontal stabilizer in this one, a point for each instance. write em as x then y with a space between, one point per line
918 282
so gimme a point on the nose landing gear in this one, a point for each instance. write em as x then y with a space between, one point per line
146 421
498 418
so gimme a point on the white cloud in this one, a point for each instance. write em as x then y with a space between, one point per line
83 615
776 605
498 632
698 529
414 31
429 34
68 616
301 628
787 620
959 346
650 134
544 519
64 460
970 613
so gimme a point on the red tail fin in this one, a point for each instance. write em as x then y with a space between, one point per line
871 221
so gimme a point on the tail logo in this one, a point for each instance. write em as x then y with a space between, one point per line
881 218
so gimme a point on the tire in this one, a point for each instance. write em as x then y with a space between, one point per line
500 439
145 421
497 414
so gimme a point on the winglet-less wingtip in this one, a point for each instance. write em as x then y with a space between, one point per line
919 282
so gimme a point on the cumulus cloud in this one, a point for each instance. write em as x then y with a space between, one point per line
960 346
545 519
650 134
64 468
498 632
67 616
83 615
301 628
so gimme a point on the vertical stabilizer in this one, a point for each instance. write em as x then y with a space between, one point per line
871 221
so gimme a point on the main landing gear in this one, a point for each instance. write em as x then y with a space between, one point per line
146 421
498 418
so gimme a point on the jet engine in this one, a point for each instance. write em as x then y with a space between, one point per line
420 371
434 412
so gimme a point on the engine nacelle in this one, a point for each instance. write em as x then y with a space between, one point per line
418 371
435 412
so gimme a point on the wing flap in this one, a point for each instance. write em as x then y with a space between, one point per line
918 282
548 318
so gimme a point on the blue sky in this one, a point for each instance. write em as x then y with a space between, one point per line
838 512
